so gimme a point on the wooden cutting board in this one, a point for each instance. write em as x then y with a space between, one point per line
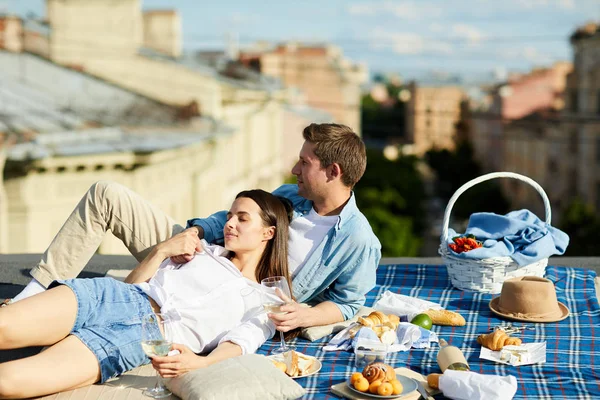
342 389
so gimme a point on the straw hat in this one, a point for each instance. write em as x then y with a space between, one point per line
530 299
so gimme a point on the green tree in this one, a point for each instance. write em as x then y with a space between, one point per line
391 194
581 223
453 169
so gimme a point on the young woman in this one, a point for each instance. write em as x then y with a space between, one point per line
93 326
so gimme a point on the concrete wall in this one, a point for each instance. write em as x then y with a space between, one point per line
186 182
162 31
11 31
84 29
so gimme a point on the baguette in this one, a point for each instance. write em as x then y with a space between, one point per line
445 317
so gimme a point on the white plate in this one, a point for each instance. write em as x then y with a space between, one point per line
408 386
314 368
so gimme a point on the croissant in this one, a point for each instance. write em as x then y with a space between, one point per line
379 318
497 340
379 371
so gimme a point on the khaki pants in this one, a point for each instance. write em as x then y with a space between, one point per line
106 205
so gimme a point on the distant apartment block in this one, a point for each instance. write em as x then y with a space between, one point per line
11 32
327 80
432 113
581 115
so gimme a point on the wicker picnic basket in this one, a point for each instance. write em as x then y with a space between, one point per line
487 274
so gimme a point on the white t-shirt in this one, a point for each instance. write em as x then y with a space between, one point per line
208 301
305 234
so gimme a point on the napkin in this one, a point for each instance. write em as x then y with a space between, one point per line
407 336
467 385
519 234
399 304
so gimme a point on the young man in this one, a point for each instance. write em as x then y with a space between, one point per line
333 253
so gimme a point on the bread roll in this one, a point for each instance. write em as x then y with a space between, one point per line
445 317
433 380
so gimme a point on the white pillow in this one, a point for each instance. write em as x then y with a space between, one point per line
250 376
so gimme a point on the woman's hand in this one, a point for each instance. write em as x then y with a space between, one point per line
172 366
184 244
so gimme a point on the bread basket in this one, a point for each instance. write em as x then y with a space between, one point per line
486 275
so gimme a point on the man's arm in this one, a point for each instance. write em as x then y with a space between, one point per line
343 298
185 242
210 228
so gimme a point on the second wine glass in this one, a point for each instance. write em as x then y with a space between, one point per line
154 343
274 292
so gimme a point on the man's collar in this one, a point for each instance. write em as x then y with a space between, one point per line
347 212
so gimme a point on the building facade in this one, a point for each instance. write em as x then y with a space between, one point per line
431 115
581 114
327 80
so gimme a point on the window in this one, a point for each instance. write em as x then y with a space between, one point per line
573 142
552 166
574 100
573 183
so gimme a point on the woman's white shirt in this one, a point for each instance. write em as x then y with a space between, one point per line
208 301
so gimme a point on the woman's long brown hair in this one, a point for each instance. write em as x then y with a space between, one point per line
275 212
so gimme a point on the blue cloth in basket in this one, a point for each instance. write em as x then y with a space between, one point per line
520 235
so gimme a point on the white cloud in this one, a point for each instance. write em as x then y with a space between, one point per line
403 9
238 18
562 4
408 43
435 27
472 34
527 53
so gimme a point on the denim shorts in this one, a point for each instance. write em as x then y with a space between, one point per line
109 322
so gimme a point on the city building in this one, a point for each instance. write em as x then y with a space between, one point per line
327 80
581 116
431 115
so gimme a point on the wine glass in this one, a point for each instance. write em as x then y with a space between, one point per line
155 344
274 290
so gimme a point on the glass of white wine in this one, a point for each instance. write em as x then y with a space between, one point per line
155 344
274 290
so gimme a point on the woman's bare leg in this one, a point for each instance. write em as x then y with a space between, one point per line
40 320
68 364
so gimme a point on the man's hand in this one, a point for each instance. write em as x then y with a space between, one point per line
172 366
297 315
182 258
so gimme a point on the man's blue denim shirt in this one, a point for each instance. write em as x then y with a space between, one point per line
341 269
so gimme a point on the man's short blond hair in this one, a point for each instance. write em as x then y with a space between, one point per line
335 143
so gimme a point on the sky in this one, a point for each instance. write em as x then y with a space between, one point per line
413 38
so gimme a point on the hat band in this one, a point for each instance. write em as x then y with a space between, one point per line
528 316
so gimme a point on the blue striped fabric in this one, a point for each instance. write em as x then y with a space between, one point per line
572 368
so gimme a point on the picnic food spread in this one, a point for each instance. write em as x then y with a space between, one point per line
377 378
384 325
497 340
294 364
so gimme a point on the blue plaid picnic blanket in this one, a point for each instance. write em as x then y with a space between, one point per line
572 368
